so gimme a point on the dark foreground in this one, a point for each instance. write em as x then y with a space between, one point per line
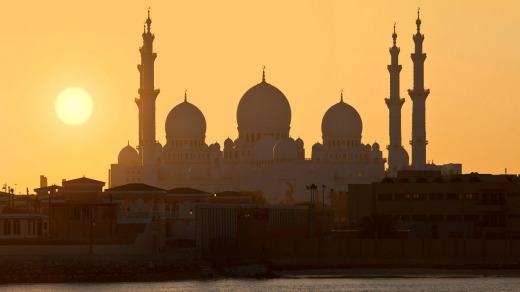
100 271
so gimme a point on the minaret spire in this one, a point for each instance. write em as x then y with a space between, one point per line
185 95
263 74
418 96
341 98
394 36
148 20
394 104
147 96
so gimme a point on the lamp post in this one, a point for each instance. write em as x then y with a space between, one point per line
49 196
331 194
92 224
312 187
323 200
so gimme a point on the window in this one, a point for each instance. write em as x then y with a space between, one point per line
7 227
436 217
385 197
418 217
401 197
16 227
453 218
436 196
175 209
452 196
419 196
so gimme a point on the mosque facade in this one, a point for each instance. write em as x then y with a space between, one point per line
264 157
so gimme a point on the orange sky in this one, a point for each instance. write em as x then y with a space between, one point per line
216 49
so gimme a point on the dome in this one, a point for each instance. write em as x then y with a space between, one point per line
317 147
264 148
128 156
185 121
375 147
215 147
299 143
341 121
264 108
403 158
228 144
285 149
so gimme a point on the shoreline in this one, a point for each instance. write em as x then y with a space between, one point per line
73 271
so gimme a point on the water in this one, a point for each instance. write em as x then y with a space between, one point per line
290 284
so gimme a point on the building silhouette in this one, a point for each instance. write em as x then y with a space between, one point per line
264 157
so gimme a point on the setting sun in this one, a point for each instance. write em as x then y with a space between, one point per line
73 106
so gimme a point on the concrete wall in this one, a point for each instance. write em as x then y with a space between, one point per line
378 250
144 244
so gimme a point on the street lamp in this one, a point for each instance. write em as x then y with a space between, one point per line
312 187
92 224
323 200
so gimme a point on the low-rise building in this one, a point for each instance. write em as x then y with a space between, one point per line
430 204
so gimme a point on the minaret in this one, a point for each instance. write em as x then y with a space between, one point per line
418 95
147 95
394 104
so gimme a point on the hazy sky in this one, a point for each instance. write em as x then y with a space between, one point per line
216 50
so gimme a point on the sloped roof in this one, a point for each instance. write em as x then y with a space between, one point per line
186 191
83 180
135 187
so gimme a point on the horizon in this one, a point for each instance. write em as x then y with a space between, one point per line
311 52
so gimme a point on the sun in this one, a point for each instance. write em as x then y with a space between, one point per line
73 106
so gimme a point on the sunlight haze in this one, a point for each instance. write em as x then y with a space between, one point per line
216 49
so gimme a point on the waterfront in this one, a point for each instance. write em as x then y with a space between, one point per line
423 283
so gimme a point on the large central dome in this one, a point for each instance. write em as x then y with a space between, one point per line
185 121
341 121
264 109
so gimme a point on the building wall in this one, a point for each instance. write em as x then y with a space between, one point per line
443 206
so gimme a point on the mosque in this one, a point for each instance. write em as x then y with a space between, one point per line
264 157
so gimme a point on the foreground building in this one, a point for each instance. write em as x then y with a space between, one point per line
432 205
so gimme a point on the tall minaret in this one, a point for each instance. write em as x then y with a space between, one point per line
147 95
394 103
418 95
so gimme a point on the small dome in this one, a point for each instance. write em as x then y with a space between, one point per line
185 121
317 147
299 143
375 146
215 147
285 149
264 148
228 144
368 147
403 159
128 156
341 121
264 108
